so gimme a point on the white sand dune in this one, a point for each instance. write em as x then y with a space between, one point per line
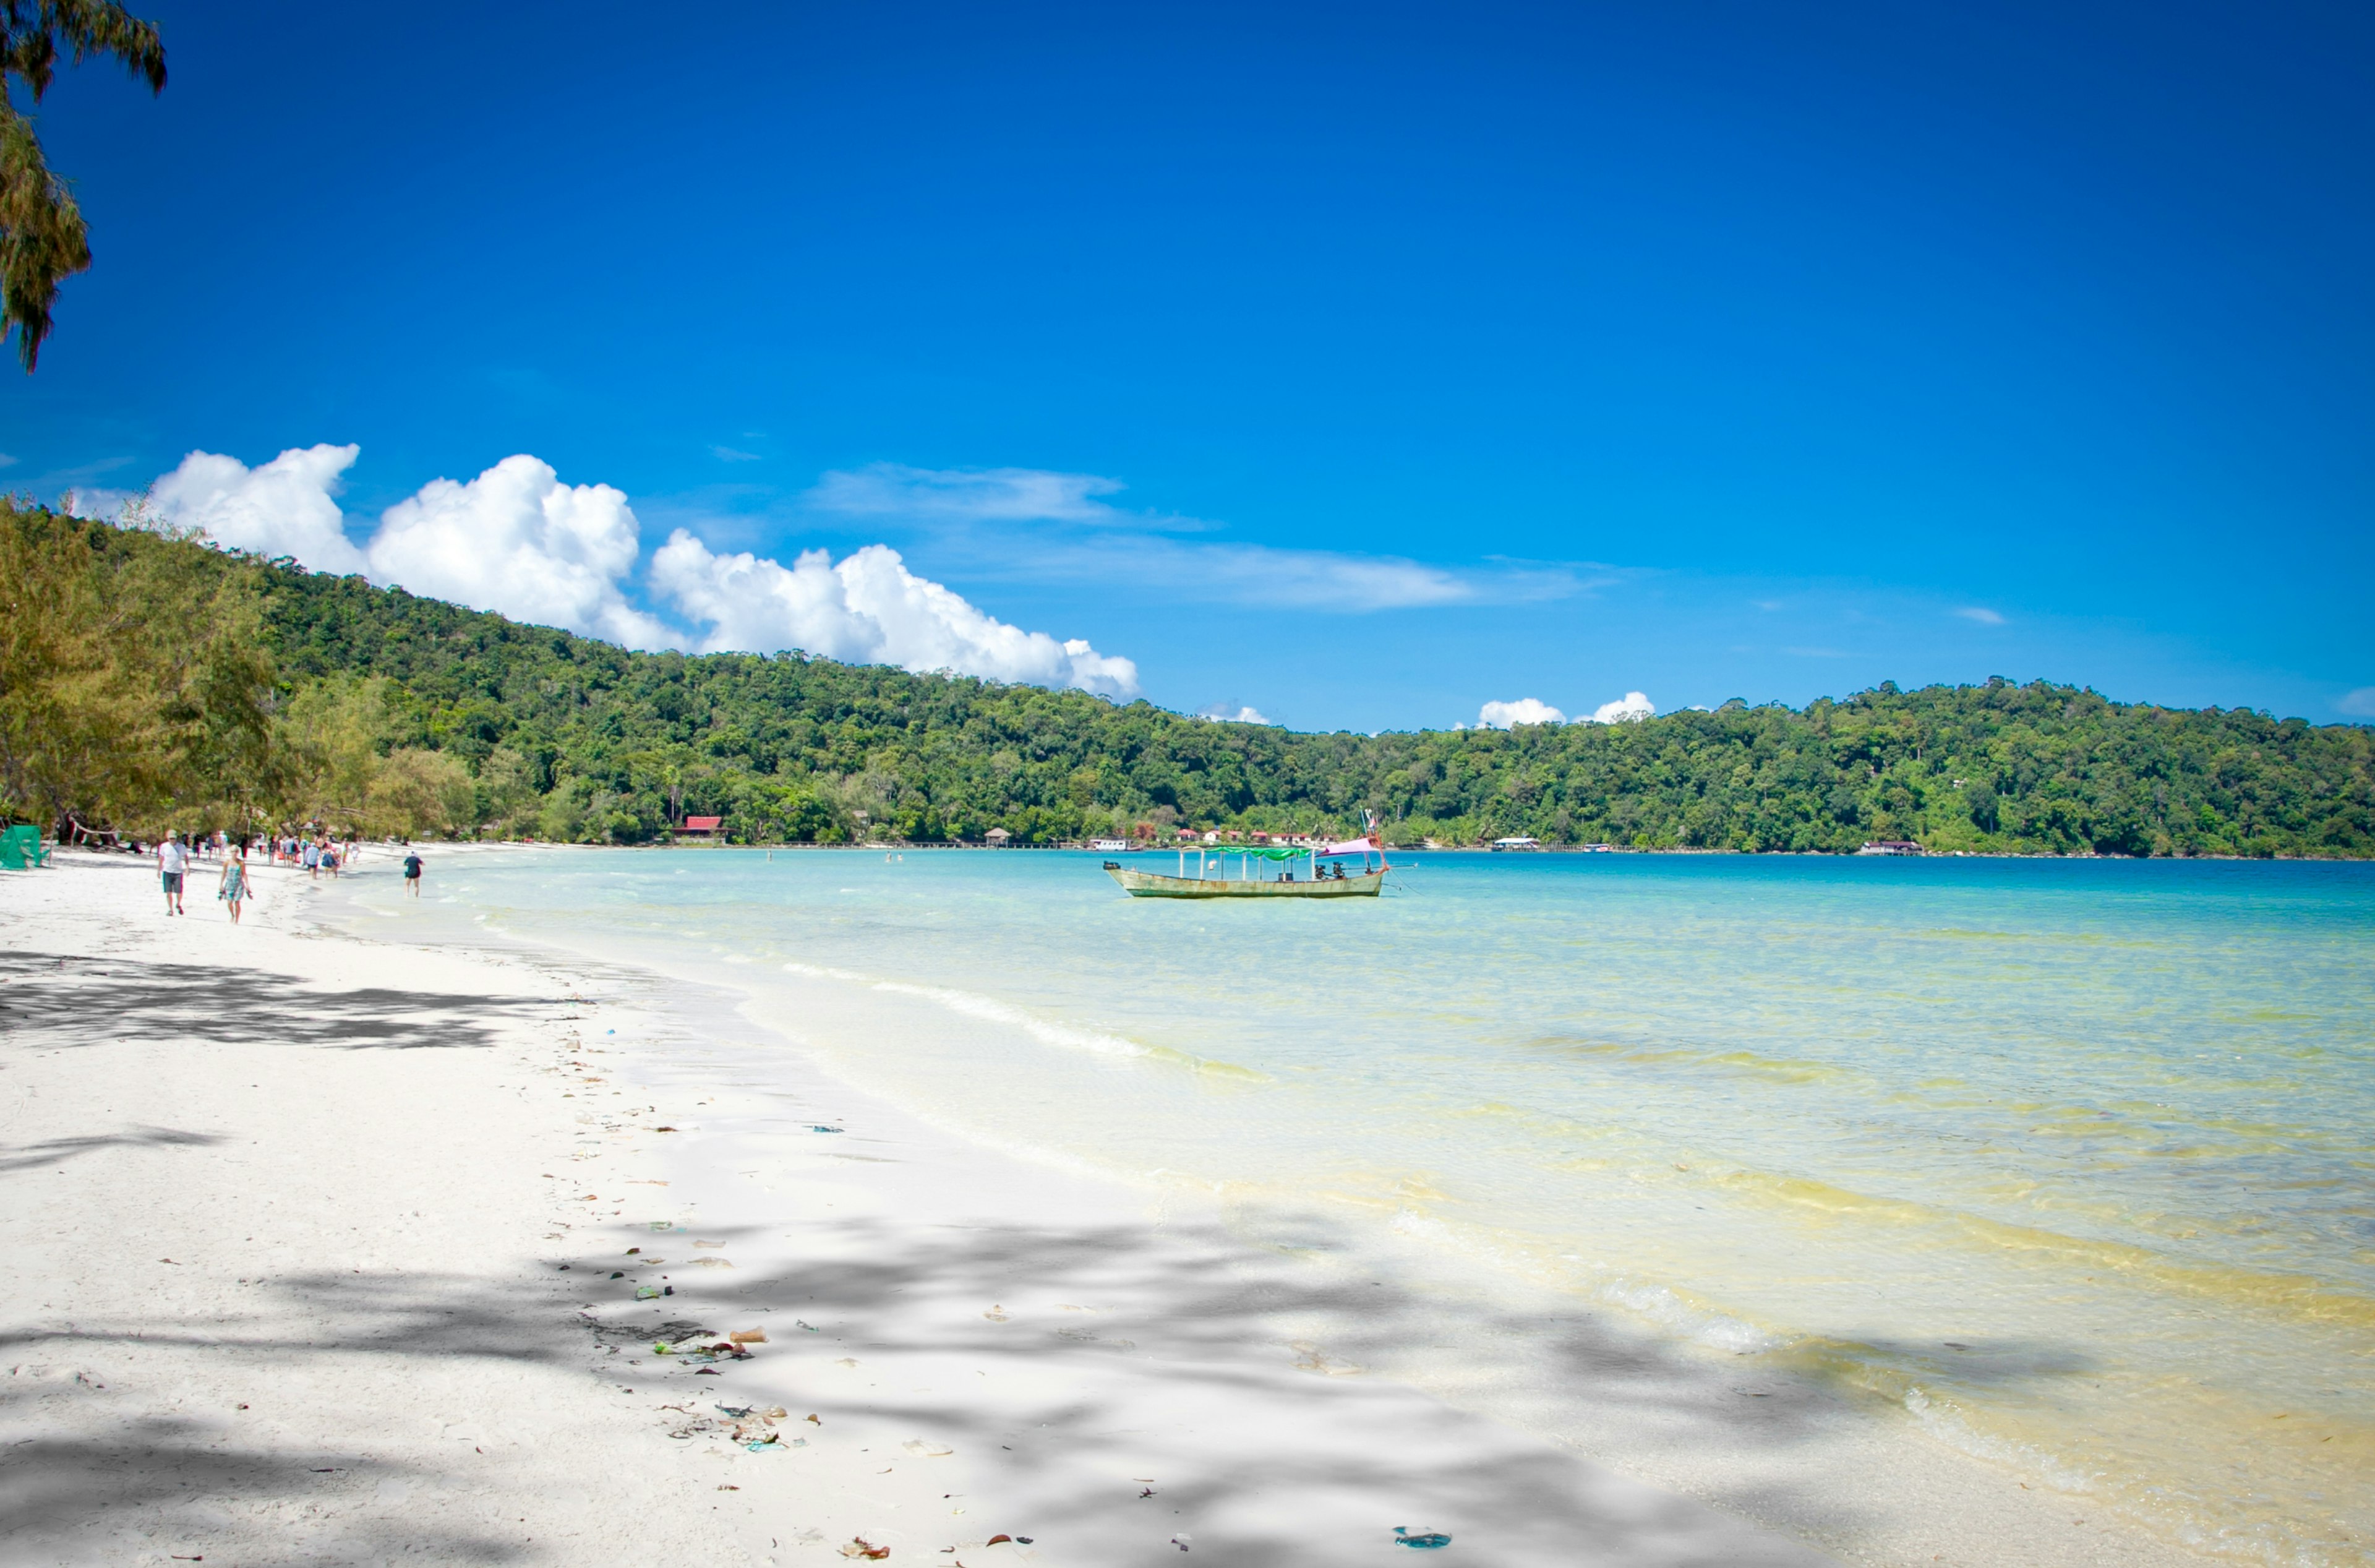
312 1245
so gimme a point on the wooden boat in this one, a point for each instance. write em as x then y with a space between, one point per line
1304 877
1155 885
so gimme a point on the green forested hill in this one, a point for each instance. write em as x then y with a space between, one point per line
132 691
570 738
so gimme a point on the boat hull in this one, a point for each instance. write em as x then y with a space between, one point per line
1154 885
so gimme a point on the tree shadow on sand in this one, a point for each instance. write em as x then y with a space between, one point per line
1031 1450
89 1002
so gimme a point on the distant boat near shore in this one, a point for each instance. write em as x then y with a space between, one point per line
1892 846
1308 871
1521 844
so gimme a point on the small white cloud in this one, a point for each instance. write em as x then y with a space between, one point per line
867 609
1220 714
733 455
1981 614
1524 711
285 507
6 461
517 540
1015 495
1632 706
2359 704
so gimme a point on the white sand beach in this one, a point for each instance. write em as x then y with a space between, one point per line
328 1250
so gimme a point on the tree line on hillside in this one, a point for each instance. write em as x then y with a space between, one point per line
147 680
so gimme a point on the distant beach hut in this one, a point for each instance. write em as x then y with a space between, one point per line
702 828
998 837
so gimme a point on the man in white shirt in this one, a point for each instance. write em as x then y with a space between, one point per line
172 865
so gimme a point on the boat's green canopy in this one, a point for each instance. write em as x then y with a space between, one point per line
1258 852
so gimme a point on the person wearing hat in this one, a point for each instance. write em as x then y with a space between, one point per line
172 865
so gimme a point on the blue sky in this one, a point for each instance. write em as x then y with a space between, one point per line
1358 365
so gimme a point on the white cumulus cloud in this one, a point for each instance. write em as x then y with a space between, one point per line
285 507
2359 704
1533 711
1524 711
867 609
1632 705
517 540
1981 614
1221 712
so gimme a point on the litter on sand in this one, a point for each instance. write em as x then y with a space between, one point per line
860 1546
693 1354
1425 1540
824 1129
647 1292
749 1337
922 1450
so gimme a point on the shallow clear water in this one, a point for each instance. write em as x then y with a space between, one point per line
2072 1161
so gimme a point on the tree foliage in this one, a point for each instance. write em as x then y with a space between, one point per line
43 237
573 739
133 679
397 714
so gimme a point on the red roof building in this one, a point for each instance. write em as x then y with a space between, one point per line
701 825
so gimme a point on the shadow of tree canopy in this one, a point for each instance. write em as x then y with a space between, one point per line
885 1292
54 1486
52 1151
94 1001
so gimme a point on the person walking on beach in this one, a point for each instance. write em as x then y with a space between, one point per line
310 856
172 865
233 888
411 873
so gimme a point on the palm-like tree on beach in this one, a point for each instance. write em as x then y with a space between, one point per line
43 237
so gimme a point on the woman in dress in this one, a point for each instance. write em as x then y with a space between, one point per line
233 890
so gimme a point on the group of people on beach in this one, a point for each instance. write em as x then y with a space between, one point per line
315 855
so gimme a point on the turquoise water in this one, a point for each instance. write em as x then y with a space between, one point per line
2067 1162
